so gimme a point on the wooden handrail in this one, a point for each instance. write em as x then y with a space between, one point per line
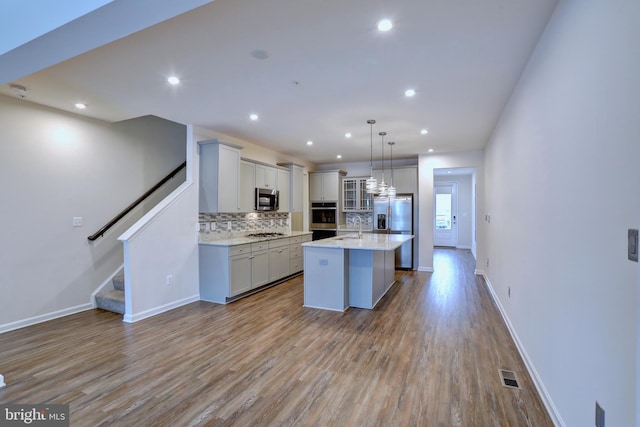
139 200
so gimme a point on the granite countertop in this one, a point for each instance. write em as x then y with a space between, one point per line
354 228
372 242
241 240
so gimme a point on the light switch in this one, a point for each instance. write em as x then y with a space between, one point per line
77 221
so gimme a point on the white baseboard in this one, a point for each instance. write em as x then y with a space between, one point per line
537 381
463 247
132 318
44 317
427 269
2 384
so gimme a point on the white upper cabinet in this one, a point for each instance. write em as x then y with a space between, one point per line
325 186
219 176
247 186
405 179
283 190
266 177
296 179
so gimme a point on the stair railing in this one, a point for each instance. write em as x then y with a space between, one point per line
133 205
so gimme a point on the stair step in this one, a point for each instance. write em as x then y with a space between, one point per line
118 281
111 300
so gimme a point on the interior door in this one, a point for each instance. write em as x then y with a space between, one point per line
445 204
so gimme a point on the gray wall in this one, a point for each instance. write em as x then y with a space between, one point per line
56 166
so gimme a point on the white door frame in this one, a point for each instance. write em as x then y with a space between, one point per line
447 238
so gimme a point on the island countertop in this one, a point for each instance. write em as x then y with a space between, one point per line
242 240
369 241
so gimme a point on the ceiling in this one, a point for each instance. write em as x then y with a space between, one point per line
312 71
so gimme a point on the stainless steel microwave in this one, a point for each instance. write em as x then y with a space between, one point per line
267 199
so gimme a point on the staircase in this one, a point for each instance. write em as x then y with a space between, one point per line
112 299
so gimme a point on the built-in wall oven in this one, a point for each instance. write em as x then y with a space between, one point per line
324 219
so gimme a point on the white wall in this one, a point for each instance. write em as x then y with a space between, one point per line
55 166
161 244
562 188
426 165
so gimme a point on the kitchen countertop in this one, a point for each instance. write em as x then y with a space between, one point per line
242 240
372 242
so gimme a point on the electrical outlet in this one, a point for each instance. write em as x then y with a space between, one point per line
169 279
228 225
213 226
77 221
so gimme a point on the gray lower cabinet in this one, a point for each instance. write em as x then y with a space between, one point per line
278 259
228 271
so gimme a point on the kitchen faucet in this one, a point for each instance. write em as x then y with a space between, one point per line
359 225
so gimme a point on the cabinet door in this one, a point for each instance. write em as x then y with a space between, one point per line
365 199
247 186
405 180
266 177
228 179
349 194
240 274
331 186
259 268
315 186
283 189
278 263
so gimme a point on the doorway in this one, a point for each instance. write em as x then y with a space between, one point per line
445 203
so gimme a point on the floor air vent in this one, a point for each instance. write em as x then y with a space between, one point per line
508 379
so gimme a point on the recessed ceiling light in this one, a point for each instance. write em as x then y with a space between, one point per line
430 150
448 171
424 131
409 92
339 156
81 106
347 135
309 142
173 80
385 25
253 116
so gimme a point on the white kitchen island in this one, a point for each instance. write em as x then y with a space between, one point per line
347 271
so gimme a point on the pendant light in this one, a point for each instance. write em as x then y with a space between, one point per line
382 187
391 191
372 183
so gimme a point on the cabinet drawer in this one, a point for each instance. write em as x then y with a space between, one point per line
296 265
300 239
277 243
295 253
240 249
259 246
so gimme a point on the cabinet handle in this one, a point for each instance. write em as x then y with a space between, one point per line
251 257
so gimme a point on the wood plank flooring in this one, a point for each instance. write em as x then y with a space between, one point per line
427 355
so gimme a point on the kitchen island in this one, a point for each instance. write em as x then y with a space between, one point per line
349 271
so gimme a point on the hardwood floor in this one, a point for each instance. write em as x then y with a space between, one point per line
427 355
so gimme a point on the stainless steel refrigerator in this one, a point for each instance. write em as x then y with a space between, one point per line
395 216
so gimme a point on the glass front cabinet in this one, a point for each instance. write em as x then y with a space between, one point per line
354 195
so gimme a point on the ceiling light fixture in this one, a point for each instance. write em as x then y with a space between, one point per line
253 117
382 187
409 93
173 80
372 183
430 150
309 142
339 156
424 131
385 25
391 191
347 135
81 106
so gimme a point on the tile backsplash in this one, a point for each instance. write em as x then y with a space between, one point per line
216 226
366 217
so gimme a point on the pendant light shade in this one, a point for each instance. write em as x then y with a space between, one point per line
371 183
391 191
382 186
